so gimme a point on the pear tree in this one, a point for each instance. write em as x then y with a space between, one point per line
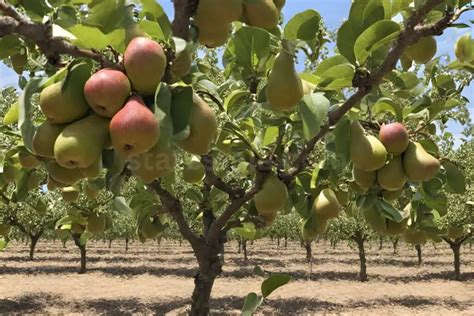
243 116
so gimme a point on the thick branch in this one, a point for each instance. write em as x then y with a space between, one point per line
412 32
183 11
213 180
41 34
175 209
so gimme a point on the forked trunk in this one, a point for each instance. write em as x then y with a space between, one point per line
82 249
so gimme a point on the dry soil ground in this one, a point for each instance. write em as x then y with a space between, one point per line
151 279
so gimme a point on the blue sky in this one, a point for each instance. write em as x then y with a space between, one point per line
333 12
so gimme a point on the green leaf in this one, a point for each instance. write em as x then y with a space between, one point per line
388 211
304 26
250 47
313 110
9 45
247 231
26 110
121 205
388 105
107 15
3 244
11 117
163 112
181 105
342 139
380 34
155 9
92 37
251 303
346 36
455 178
274 282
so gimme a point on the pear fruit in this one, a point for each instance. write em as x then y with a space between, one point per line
106 91
34 181
64 102
279 4
145 62
414 236
375 220
326 205
203 128
312 227
367 152
308 87
19 61
391 195
396 228
93 171
28 161
80 144
422 51
464 48
156 163
5 229
182 64
134 129
194 172
96 223
271 197
261 13
70 194
391 177
214 37
455 232
284 88
63 175
365 179
213 13
151 229
9 173
418 164
45 137
394 137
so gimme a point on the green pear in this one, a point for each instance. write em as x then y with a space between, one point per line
213 13
80 144
45 137
367 152
391 177
375 220
145 62
28 161
261 13
96 223
5 229
284 88
9 173
326 205
392 195
365 179
203 128
422 51
93 171
214 37
63 175
194 172
106 91
271 197
455 232
19 61
151 229
313 227
182 64
64 102
134 129
158 162
396 228
70 194
394 137
418 164
414 236
279 4
464 48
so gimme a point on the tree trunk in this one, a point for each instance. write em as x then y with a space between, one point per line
286 242
456 247
418 252
363 261
395 245
244 248
239 241
380 243
110 243
210 267
126 244
82 248
278 241
309 251
34 241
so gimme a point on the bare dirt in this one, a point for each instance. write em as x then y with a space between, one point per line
154 279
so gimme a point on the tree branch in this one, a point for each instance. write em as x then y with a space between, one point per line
183 11
41 34
412 32
175 209
213 180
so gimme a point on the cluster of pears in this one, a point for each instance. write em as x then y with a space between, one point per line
86 114
390 160
214 18
420 52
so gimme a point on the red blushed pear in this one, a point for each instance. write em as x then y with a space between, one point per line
106 91
145 63
394 137
134 129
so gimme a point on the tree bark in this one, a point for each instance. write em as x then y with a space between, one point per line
126 244
418 252
244 248
286 242
110 243
363 261
309 251
395 245
456 247
380 243
34 240
82 249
